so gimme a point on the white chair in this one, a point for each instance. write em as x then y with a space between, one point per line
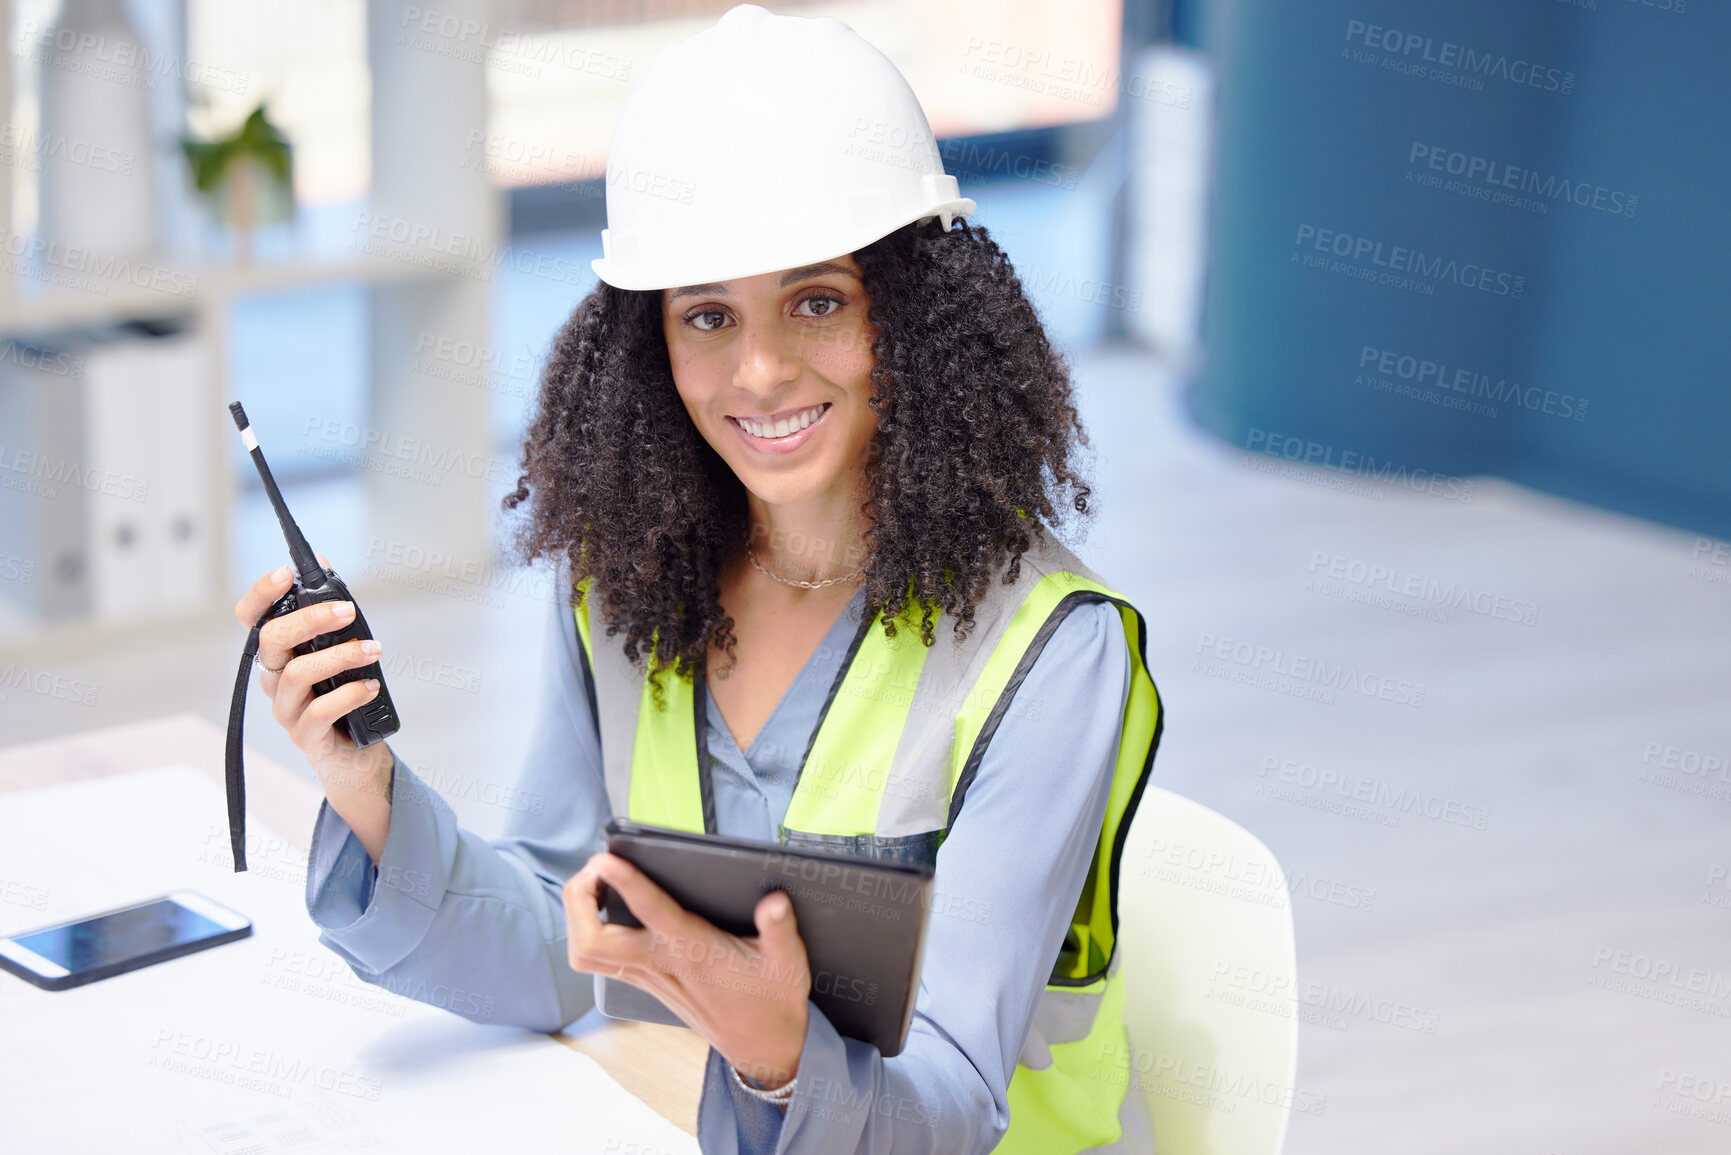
1205 923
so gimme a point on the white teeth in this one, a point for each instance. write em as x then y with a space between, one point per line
783 427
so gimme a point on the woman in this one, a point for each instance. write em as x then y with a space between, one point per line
797 489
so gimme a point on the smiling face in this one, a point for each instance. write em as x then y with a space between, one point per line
775 371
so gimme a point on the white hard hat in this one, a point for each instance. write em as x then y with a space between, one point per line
765 142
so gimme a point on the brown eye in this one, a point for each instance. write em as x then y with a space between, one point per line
706 313
825 303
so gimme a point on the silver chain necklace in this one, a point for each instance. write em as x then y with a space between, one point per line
788 581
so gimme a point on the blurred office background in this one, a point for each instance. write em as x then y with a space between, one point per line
1399 330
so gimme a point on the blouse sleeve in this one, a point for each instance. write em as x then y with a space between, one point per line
452 919
1007 879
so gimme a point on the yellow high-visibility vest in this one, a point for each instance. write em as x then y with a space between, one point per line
885 775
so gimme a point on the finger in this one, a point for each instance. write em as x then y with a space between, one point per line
287 703
653 906
590 944
582 897
315 714
267 681
276 642
258 598
323 711
597 888
774 917
309 669
778 929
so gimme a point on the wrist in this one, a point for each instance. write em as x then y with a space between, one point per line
767 1070
360 778
771 1079
774 1086
361 795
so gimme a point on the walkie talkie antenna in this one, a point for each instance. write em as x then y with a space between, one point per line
312 573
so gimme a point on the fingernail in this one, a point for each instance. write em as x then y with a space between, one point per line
344 609
369 647
371 683
779 910
279 574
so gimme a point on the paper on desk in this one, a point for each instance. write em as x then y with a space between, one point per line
263 1045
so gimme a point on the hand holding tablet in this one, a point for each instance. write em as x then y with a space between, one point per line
861 922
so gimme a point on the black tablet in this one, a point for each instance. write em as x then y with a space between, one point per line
863 921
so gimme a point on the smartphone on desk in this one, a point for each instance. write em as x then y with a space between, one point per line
70 954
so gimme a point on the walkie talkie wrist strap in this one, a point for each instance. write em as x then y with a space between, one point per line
234 773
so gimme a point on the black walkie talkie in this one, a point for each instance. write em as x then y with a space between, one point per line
366 724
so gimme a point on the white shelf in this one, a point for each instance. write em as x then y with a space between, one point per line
215 285
418 173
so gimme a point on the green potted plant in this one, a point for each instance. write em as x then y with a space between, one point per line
248 175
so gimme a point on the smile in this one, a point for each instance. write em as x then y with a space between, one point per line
785 427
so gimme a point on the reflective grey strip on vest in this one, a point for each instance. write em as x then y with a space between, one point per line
1063 1015
1135 1122
618 693
916 798
913 811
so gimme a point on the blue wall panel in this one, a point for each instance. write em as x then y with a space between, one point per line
1485 237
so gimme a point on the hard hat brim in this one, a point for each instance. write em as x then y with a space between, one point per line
702 272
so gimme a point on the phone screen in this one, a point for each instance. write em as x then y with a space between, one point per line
124 934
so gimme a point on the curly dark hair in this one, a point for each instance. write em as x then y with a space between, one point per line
973 456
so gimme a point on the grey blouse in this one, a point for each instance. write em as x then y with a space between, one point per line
478 926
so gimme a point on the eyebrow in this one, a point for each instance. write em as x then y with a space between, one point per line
804 272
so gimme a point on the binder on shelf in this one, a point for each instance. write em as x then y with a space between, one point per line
44 575
149 480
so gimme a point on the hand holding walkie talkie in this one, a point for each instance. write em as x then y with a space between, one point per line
321 632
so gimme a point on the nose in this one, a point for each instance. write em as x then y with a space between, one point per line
766 359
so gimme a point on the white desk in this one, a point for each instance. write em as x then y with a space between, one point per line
359 1045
